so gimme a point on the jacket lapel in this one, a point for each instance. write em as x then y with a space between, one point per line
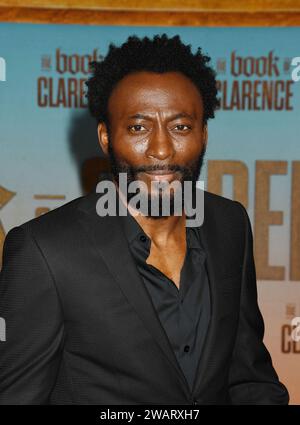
209 241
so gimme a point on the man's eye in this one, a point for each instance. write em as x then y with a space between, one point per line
136 128
183 127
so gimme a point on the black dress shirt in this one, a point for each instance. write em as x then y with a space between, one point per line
185 312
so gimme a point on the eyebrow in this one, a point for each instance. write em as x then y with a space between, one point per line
171 118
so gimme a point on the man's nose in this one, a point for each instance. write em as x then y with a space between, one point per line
160 145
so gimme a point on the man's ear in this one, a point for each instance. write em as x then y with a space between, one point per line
103 137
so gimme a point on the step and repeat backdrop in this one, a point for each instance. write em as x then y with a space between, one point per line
49 152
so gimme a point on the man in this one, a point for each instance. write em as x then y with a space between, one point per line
136 308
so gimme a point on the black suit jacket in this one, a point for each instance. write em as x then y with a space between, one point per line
81 327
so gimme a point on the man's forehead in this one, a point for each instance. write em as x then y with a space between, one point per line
170 83
143 107
169 112
148 99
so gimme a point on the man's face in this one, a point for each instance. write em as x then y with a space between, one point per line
156 125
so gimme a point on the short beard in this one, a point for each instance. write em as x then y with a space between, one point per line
190 173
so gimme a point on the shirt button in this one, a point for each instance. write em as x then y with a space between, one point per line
187 348
143 238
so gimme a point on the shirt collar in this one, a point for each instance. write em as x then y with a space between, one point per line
134 231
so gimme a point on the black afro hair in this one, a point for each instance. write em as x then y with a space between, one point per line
160 54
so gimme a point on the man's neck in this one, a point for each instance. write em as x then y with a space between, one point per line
162 231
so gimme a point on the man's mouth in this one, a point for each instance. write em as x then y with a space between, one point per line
160 175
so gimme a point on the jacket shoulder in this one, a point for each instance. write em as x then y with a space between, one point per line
225 212
217 201
55 223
